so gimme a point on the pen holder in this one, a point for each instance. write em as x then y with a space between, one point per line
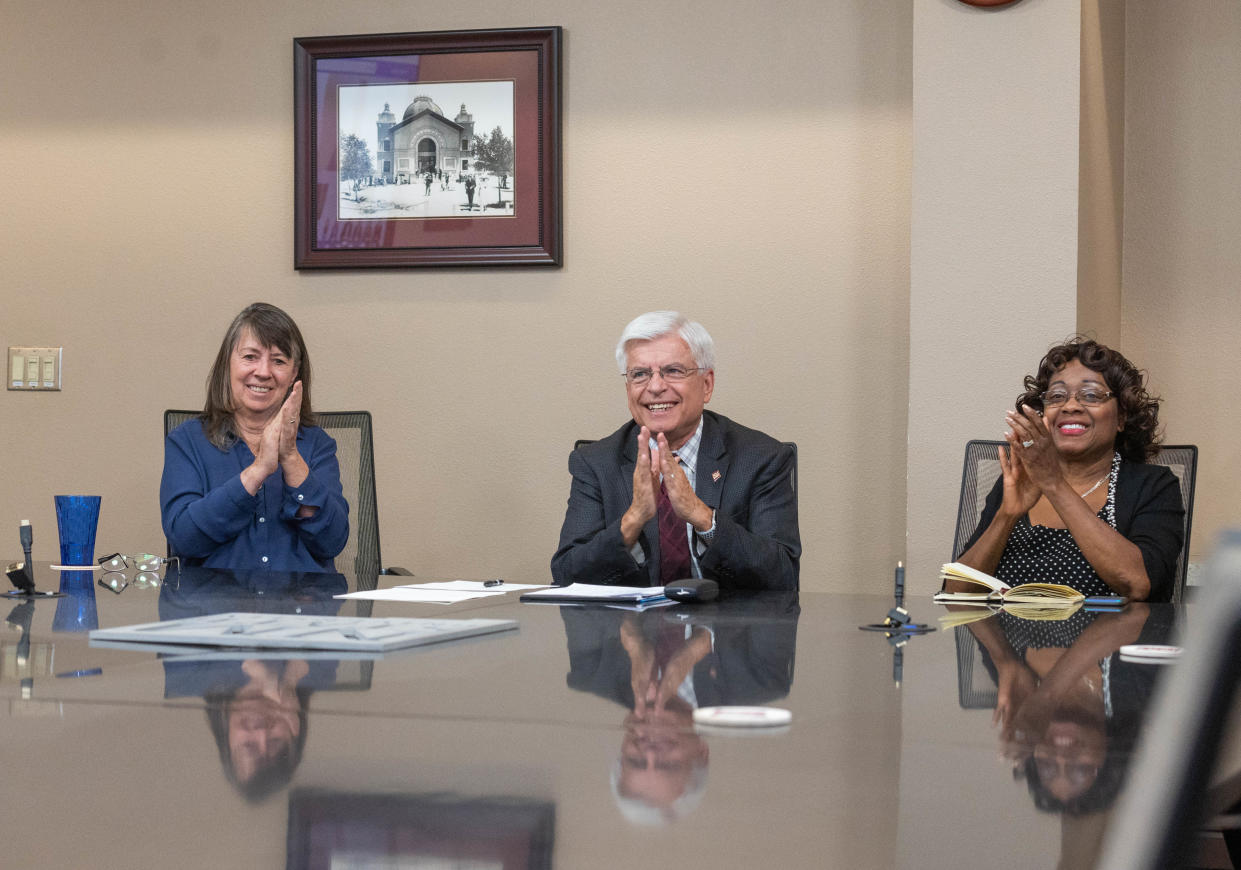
77 519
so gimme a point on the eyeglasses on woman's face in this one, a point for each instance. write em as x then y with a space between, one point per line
1090 397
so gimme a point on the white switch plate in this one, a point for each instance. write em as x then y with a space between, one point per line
34 368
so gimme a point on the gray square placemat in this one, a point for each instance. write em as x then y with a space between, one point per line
293 631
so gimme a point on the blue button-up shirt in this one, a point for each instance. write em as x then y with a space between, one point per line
211 520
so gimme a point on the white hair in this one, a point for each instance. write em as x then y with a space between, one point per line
638 812
653 324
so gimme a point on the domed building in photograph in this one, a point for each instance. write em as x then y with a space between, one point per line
424 140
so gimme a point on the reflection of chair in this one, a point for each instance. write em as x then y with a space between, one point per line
982 469
582 442
356 454
976 688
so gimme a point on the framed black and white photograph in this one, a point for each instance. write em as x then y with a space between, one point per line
342 829
427 149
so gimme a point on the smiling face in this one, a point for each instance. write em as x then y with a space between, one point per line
1077 430
260 378
1069 756
663 406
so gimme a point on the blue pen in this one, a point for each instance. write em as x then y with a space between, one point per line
1105 601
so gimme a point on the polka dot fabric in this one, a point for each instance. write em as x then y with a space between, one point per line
1039 554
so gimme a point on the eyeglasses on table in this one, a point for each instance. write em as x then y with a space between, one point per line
144 568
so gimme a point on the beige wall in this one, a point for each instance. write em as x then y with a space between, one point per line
994 235
745 162
761 177
1182 262
1101 173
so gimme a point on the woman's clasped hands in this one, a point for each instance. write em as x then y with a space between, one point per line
1030 464
277 446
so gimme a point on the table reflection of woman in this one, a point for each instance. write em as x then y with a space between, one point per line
260 727
1068 708
1076 502
252 483
257 709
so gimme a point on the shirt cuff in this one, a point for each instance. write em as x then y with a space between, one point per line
309 494
639 555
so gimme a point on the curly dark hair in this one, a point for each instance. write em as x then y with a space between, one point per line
1138 440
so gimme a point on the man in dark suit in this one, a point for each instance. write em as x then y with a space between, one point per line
678 491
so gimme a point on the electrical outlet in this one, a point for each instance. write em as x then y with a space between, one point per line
34 368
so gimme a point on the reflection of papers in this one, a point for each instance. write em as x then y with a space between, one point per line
444 592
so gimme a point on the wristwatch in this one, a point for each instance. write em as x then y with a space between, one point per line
709 535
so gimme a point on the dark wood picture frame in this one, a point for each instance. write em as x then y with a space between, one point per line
514 833
526 231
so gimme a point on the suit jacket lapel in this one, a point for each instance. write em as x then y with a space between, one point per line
712 463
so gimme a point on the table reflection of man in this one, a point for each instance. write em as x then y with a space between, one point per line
663 664
678 491
258 708
1068 708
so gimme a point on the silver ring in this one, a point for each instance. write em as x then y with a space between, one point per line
1029 443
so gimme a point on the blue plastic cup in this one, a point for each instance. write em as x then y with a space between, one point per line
77 519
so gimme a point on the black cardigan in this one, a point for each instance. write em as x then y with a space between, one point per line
1149 513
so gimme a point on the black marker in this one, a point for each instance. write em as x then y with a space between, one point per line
493 583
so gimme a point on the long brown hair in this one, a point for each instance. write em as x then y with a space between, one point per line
271 327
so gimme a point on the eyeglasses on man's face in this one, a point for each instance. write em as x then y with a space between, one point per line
1091 397
141 571
674 373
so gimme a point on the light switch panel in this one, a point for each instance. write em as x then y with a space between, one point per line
34 368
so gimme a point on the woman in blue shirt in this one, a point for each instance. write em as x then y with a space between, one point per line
253 483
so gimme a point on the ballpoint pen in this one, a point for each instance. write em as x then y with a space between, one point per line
493 582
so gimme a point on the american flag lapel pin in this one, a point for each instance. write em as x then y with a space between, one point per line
715 475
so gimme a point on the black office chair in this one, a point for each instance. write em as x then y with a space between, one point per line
975 690
356 454
792 445
982 469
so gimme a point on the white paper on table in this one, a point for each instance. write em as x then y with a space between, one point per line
422 596
597 592
475 586
447 592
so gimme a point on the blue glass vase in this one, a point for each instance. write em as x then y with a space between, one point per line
77 518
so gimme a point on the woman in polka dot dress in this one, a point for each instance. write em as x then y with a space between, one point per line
1076 503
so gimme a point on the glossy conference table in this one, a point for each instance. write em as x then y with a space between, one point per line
524 749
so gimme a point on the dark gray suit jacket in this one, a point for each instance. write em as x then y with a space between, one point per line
744 475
